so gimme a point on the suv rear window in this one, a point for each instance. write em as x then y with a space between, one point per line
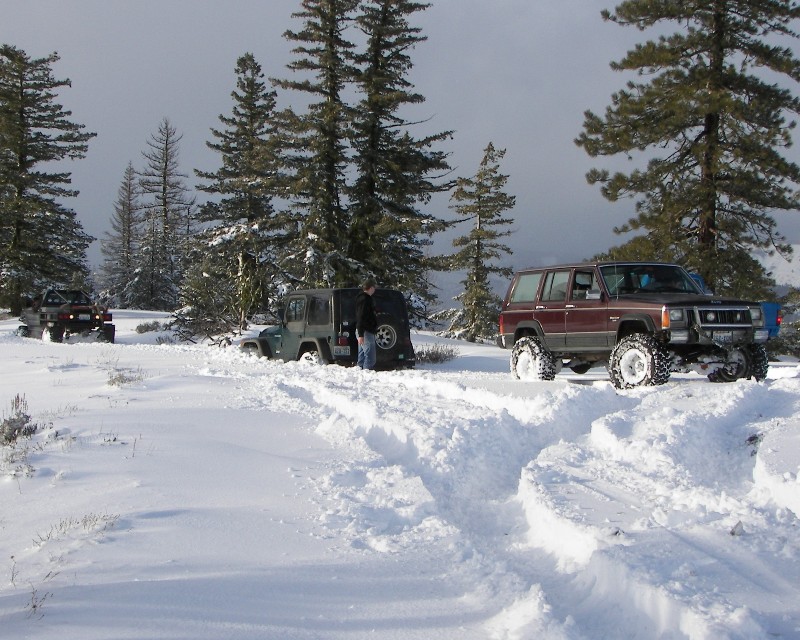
390 302
526 287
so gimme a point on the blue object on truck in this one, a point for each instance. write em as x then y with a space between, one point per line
772 317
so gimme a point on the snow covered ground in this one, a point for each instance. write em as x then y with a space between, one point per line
192 492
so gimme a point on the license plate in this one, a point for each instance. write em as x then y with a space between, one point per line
341 351
84 316
723 336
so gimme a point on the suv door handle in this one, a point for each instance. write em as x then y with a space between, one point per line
570 306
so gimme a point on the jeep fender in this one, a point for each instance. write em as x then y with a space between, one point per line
635 323
259 346
529 328
318 345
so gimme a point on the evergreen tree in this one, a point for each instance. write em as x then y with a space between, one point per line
41 241
120 247
315 142
395 173
713 130
168 220
241 240
480 200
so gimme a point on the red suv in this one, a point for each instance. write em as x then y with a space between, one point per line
642 319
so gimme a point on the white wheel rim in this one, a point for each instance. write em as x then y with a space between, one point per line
633 366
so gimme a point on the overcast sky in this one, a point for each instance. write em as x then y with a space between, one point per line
517 73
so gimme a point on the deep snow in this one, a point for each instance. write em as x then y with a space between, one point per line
193 492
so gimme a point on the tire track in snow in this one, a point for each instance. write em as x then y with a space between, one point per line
521 487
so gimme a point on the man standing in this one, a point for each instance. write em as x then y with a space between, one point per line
366 325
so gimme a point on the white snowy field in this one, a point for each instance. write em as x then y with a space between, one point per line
196 493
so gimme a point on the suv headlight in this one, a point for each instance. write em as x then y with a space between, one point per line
756 315
676 315
671 317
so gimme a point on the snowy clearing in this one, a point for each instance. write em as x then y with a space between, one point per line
178 491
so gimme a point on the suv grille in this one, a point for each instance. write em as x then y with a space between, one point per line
723 317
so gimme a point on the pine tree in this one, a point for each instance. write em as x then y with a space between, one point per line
241 240
480 200
41 241
713 131
315 142
168 219
120 247
396 173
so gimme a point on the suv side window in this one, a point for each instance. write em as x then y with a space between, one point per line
295 310
583 282
526 288
555 286
319 310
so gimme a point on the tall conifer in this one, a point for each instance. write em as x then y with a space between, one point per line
41 241
243 232
120 247
481 201
315 142
396 173
713 123
167 208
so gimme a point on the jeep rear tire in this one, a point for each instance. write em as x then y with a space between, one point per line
312 356
530 360
638 360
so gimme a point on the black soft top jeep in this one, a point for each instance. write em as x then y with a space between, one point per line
320 325
642 319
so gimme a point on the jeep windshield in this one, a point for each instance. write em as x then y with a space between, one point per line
640 278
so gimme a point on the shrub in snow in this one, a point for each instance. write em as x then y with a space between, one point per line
18 424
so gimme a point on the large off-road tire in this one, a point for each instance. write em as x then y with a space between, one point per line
530 360
53 334
748 362
310 355
638 360
107 333
759 361
737 365
23 331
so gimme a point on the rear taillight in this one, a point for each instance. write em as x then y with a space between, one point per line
106 317
502 325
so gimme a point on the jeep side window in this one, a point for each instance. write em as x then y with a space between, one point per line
295 310
583 282
319 310
555 286
526 287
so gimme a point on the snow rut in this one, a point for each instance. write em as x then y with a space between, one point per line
560 500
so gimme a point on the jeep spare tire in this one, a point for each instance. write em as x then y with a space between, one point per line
387 332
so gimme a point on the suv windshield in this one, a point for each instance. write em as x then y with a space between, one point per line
647 278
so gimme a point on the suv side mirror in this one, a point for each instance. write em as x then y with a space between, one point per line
594 294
